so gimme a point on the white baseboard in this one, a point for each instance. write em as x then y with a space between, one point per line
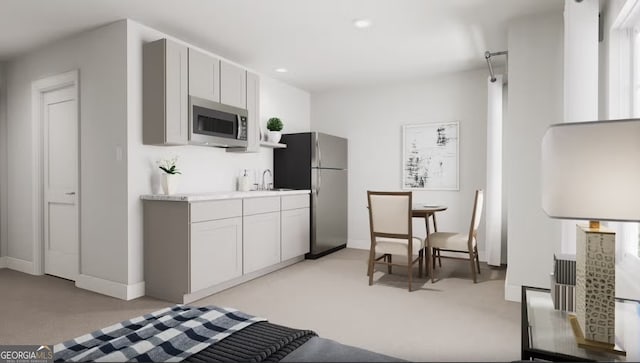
3 262
512 292
482 256
361 244
110 288
135 291
18 265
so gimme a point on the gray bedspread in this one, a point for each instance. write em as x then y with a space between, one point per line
326 350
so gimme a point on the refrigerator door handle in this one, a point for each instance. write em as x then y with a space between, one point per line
318 152
319 181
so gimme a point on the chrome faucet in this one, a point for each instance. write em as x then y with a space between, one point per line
264 185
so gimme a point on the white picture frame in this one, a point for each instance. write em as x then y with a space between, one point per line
430 156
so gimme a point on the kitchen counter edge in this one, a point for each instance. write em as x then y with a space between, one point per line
197 197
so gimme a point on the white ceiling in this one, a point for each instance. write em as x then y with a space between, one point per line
314 39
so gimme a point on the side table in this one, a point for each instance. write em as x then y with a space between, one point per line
547 333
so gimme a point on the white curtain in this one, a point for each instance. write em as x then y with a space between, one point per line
493 195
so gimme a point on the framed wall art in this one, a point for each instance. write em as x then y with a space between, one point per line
430 156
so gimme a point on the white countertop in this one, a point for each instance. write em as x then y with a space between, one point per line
195 197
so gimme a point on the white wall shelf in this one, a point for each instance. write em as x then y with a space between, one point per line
273 145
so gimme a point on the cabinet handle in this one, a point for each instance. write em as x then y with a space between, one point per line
70 193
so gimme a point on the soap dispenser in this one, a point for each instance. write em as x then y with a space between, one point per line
244 184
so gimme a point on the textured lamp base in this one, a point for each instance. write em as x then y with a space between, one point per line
590 344
595 283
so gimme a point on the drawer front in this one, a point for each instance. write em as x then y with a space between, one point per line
261 205
216 209
295 201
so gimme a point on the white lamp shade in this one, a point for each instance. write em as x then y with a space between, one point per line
591 170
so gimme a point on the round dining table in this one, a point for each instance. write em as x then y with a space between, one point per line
421 210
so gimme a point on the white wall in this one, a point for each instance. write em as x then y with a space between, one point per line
580 79
204 169
292 105
535 46
580 61
115 168
613 106
3 164
372 118
100 56
609 95
505 176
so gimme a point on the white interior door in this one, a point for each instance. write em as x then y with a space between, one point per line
60 137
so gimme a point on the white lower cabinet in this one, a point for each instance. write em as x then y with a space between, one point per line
295 233
194 249
216 252
261 241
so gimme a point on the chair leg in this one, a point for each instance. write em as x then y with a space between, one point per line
420 258
439 258
433 257
430 264
409 269
477 259
389 261
424 260
473 266
372 256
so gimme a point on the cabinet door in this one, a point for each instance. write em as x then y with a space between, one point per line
177 113
216 252
164 95
204 76
261 241
233 85
253 109
295 233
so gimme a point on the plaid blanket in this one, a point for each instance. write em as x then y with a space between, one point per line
168 335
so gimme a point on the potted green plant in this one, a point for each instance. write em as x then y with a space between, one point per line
170 174
274 125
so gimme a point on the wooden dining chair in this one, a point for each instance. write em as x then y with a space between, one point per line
458 242
392 232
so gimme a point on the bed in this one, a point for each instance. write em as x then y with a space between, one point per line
206 334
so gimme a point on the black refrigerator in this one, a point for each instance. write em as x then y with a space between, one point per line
317 161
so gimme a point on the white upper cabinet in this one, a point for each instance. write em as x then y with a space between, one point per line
164 95
204 76
172 72
233 85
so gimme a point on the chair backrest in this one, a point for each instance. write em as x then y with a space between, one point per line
390 214
477 214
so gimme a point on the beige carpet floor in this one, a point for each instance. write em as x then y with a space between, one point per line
450 320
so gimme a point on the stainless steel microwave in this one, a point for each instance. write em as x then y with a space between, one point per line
214 124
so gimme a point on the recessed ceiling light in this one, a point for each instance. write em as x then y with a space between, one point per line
362 23
281 70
